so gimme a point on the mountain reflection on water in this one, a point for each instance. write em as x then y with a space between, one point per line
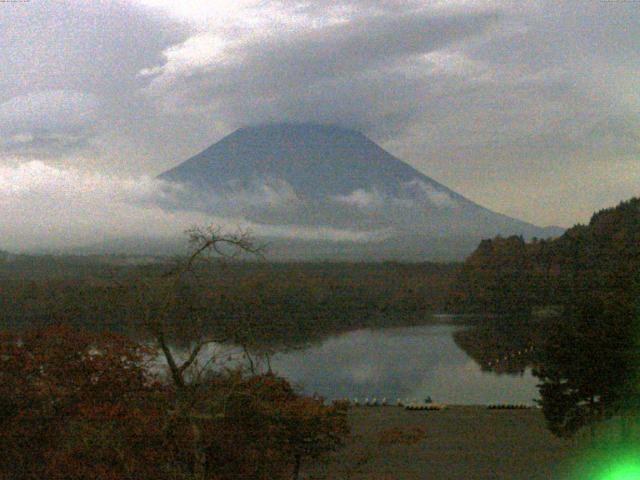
408 363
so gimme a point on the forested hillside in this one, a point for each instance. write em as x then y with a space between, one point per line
285 304
588 357
599 260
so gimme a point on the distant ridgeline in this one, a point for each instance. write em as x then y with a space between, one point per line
596 264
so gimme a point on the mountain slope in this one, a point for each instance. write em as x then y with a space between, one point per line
315 159
332 179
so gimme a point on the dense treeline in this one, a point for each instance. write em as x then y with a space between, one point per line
588 359
601 259
282 304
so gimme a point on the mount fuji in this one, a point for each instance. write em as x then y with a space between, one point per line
346 197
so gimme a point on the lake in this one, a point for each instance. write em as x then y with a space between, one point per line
406 363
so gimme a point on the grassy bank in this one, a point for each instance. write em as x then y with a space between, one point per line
461 442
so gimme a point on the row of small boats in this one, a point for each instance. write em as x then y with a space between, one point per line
428 404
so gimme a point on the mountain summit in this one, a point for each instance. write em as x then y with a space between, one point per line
334 180
315 160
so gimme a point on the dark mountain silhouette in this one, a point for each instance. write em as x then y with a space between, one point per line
341 184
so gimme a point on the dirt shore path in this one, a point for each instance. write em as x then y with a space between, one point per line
459 443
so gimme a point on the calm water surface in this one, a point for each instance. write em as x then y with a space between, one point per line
407 363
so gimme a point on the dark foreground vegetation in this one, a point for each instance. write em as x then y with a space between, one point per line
588 356
86 404
76 405
81 394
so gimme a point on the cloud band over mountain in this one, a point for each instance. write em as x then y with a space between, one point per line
491 97
47 208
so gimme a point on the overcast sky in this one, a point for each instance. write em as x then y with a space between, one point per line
531 108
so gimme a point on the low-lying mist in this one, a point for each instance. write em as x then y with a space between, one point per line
51 208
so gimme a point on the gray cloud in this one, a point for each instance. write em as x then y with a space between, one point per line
61 61
316 75
48 122
490 97
48 207
82 46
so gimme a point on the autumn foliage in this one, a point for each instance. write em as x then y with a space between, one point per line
74 405
595 262
77 405
586 358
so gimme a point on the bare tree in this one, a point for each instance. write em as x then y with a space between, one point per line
160 300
